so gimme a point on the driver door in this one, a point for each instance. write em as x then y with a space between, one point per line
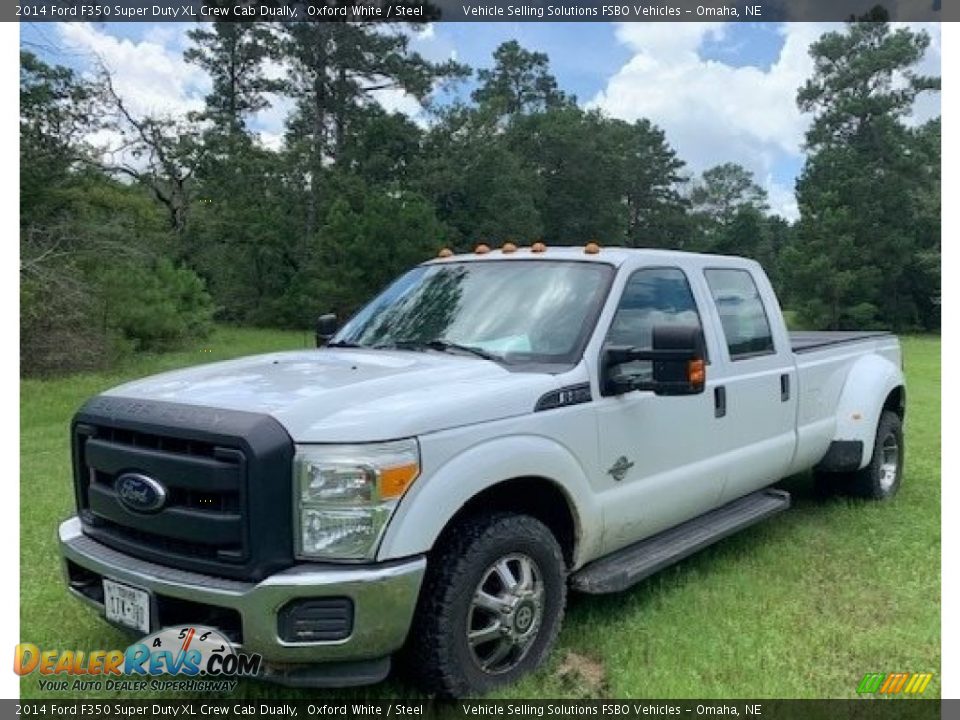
656 452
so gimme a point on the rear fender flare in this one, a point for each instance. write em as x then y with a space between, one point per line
870 380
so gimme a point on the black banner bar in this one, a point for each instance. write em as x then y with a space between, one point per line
859 709
473 10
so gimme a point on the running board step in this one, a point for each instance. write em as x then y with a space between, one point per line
628 566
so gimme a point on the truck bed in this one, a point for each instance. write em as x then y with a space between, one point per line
809 340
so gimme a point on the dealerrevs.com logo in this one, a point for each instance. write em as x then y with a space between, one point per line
202 657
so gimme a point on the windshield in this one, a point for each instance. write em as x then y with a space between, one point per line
520 311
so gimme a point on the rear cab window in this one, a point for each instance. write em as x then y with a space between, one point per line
743 317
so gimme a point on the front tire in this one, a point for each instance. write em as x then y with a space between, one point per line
491 605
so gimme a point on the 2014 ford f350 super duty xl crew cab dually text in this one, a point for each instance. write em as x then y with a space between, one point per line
491 430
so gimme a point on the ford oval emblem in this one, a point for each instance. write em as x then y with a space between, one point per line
140 493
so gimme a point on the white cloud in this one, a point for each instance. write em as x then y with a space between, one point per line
713 112
272 118
432 45
271 140
679 41
398 100
150 75
781 199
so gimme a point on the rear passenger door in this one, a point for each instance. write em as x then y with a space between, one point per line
755 383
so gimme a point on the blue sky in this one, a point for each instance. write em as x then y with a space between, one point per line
722 92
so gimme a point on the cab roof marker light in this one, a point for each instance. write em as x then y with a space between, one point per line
481 249
445 253
508 247
538 247
591 248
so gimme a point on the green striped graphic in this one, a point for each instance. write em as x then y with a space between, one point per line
871 683
894 683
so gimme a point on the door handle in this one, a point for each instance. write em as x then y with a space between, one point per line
784 388
719 401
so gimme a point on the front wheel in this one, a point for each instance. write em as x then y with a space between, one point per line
490 607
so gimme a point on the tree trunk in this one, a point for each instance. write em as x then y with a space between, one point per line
318 144
340 120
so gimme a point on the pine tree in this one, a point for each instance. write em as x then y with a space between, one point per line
865 186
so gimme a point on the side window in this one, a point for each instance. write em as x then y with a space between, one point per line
651 297
742 314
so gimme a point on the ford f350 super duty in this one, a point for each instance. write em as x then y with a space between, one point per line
491 430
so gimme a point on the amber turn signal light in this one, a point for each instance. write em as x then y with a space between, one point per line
395 481
696 372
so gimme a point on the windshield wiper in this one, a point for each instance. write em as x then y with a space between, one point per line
446 346
441 346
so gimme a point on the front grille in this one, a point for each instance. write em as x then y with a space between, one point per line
226 476
203 514
128 538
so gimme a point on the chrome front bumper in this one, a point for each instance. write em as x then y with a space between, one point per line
384 598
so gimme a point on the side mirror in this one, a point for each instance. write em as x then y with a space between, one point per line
327 326
677 364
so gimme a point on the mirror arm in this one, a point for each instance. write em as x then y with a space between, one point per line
618 355
655 355
618 385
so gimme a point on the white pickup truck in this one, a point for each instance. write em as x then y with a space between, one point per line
491 430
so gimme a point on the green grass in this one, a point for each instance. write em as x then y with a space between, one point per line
801 606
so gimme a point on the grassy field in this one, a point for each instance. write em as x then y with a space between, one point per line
801 606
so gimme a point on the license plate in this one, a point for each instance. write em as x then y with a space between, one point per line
127 606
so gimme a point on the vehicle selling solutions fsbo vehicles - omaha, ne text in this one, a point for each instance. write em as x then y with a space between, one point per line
490 430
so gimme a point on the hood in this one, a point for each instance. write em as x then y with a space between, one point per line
346 395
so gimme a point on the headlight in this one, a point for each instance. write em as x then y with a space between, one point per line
344 495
